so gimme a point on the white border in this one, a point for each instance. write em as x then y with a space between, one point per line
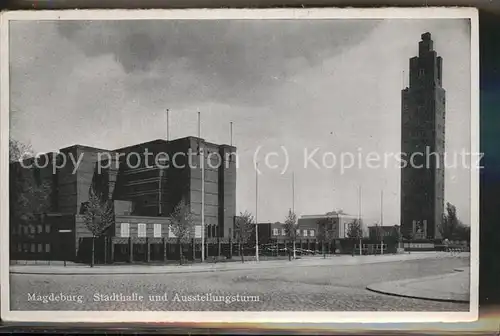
244 316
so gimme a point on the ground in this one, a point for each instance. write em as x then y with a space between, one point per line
312 288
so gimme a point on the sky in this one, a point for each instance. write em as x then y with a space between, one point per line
333 86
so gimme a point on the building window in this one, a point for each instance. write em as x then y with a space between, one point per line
124 230
283 232
304 233
47 228
157 230
19 247
141 230
215 228
40 228
297 232
421 73
33 247
275 232
311 233
32 229
40 248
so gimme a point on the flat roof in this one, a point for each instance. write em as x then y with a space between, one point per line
326 216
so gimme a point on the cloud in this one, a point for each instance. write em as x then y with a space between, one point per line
223 60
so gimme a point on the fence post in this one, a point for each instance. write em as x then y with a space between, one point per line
164 249
130 250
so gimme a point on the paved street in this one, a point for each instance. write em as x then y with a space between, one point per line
313 288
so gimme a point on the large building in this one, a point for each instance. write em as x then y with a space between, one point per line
423 144
144 188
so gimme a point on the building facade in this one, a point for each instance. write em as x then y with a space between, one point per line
144 182
423 144
338 225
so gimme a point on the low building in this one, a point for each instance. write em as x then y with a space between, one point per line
338 225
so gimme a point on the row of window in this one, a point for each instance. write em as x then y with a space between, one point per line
33 247
31 229
142 229
305 233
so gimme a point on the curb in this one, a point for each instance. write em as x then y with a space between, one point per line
164 272
418 297
132 272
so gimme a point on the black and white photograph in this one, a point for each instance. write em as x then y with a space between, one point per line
286 165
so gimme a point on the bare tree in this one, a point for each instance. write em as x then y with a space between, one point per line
463 233
28 195
355 232
291 228
243 229
450 224
325 232
19 151
181 223
98 216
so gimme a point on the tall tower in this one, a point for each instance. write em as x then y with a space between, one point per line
422 144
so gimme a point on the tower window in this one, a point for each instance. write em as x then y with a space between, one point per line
421 72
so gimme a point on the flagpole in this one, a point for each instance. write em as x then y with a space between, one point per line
256 211
359 222
293 211
293 192
382 220
168 135
231 133
202 166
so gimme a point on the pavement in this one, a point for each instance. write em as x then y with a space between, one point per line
339 260
451 287
279 286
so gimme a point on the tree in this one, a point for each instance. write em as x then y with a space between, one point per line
28 196
355 232
325 232
395 236
98 216
181 223
463 233
291 228
450 223
19 151
243 229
